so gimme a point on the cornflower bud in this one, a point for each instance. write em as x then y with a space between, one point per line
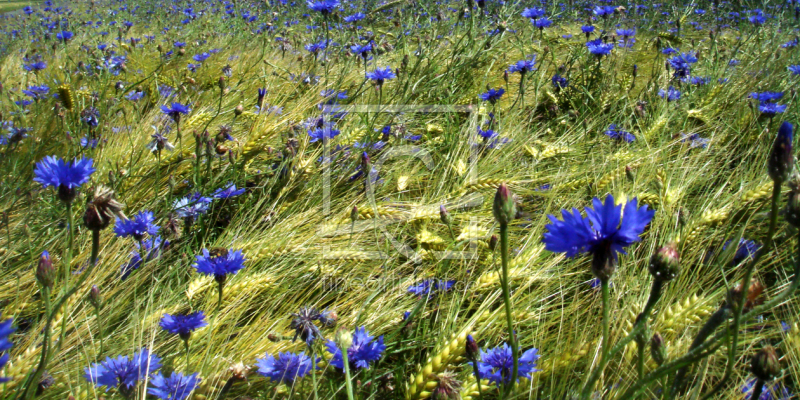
95 297
343 339
444 215
504 208
45 273
665 265
781 159
472 350
658 350
765 364
493 242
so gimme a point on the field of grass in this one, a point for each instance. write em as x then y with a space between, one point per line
281 102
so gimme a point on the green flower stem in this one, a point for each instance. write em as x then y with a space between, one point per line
314 371
67 269
606 293
638 328
37 374
220 286
186 348
640 360
477 377
507 301
348 382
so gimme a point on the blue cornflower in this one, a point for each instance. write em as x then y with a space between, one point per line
430 286
626 33
682 64
533 13
176 387
230 262
354 18
696 80
91 116
227 192
766 96
492 95
286 368
746 250
122 372
598 48
587 29
324 7
379 75
523 66
559 82
757 19
151 248
791 44
670 94
794 69
487 134
615 132
191 206
771 391
316 47
322 133
669 51
15 134
134 95
542 23
201 57
179 44
304 326
35 66
604 232
497 363
694 140
361 50
603 11
64 36
37 92
183 324
87 142
361 353
64 176
141 224
5 330
175 111
770 109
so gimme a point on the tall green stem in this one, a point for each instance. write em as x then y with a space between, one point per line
314 370
33 380
638 329
186 348
507 301
348 382
67 270
606 293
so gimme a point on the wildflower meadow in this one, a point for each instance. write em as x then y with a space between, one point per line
399 199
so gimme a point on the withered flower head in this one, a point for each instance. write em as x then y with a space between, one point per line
101 209
448 388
